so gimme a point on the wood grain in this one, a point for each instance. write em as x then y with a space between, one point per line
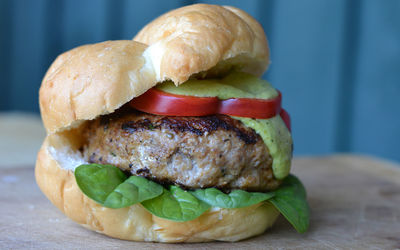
354 201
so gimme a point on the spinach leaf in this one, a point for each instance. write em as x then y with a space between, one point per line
290 200
235 199
134 190
109 186
176 204
98 181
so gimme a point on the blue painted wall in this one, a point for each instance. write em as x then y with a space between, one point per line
337 62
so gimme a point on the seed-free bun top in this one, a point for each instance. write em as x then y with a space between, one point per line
196 40
200 37
92 80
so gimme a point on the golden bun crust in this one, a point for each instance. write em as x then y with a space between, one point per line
193 41
202 37
135 222
93 80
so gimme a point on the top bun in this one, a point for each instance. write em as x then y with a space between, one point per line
194 41
93 80
202 37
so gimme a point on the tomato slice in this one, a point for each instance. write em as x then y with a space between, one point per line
158 102
286 119
253 108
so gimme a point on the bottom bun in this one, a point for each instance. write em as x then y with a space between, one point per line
135 222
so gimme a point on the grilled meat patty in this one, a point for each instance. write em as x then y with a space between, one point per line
194 152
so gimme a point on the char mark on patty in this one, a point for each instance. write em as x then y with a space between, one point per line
196 125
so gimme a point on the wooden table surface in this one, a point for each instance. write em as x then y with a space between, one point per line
355 203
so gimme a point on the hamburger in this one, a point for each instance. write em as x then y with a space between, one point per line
172 136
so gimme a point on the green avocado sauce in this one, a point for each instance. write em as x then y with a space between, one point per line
273 131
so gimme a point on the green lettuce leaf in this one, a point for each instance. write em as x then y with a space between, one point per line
235 199
176 204
290 200
110 187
